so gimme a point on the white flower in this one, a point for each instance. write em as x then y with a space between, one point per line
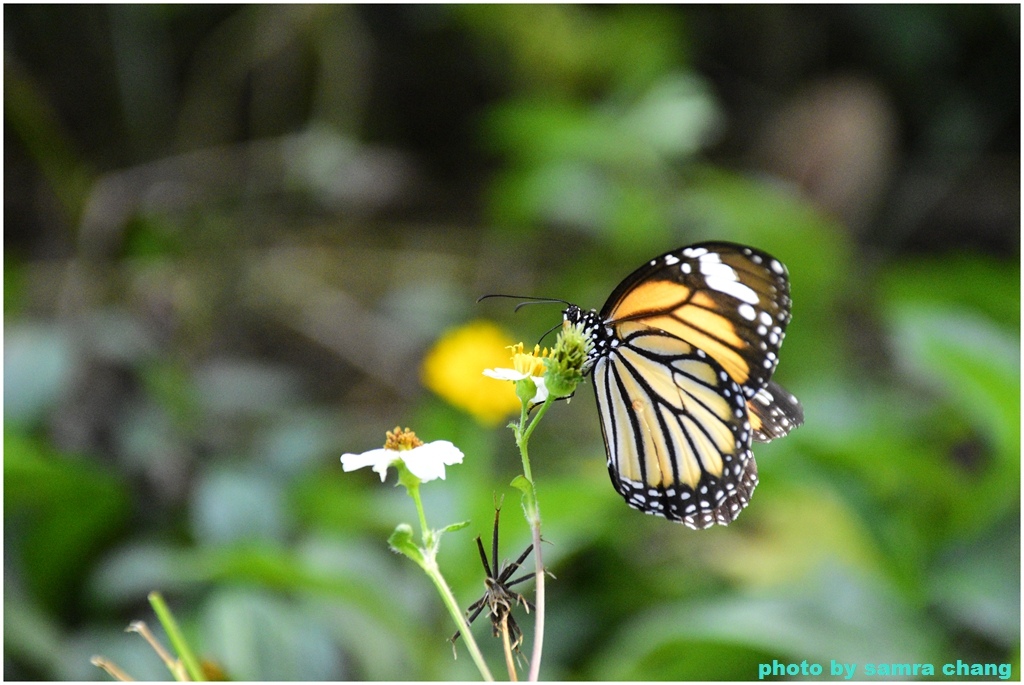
426 461
526 365
513 375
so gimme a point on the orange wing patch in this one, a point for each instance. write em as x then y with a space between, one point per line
687 315
652 297
755 418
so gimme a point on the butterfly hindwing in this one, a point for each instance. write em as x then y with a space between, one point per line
774 412
676 429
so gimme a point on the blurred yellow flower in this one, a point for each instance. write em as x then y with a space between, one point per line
453 368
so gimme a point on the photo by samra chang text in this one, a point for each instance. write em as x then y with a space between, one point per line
851 671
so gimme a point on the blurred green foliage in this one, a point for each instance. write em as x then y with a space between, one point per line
233 232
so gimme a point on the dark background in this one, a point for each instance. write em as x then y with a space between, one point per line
232 234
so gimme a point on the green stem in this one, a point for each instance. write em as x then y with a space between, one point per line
523 435
414 492
533 518
430 566
427 560
174 634
540 414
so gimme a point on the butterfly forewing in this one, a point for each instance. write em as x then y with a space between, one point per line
730 301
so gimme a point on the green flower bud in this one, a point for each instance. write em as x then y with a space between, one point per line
567 360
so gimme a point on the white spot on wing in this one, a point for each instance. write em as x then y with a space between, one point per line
712 267
732 287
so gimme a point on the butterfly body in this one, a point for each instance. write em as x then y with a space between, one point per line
682 359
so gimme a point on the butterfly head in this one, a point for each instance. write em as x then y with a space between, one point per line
589 320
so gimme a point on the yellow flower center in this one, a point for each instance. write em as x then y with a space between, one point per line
531 364
400 440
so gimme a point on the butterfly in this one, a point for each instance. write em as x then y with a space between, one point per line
682 361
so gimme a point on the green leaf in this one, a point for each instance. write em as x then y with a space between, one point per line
977 584
402 541
256 635
31 636
967 356
454 526
522 484
378 651
831 615
64 509
975 365
983 284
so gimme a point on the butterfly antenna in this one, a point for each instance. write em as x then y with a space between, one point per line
548 332
528 300
545 301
